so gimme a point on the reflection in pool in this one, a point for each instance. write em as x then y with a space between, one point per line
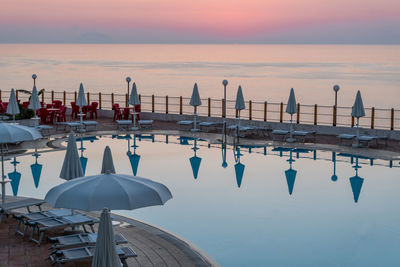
249 206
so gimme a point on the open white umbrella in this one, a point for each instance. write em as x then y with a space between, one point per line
195 101
108 164
239 105
358 111
291 108
72 167
34 103
12 108
13 133
105 254
134 100
81 101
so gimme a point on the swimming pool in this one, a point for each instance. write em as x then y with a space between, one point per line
261 206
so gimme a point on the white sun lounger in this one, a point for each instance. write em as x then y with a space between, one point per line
124 124
44 129
184 124
70 124
348 137
279 133
304 134
148 124
243 130
88 124
206 126
8 207
82 239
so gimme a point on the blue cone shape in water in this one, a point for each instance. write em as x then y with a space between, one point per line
195 162
134 160
239 170
356 184
15 177
83 163
290 179
36 172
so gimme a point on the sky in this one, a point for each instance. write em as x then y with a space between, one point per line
205 21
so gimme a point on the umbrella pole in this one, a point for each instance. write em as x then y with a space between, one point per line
3 185
358 132
194 120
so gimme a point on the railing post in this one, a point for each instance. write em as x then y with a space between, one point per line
65 98
209 107
126 100
223 109
250 109
166 104
334 119
392 120
140 98
112 100
180 105
298 113
100 103
88 98
52 96
43 95
372 118
315 114
352 121
0 96
281 113
74 96
152 103
265 111
236 113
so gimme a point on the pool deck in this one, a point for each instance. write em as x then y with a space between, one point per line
153 246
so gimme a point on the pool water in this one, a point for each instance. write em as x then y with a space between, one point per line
250 206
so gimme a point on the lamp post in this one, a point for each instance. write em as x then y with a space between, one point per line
224 83
336 88
128 80
34 76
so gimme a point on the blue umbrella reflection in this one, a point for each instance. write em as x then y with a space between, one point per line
15 177
36 169
356 182
239 167
290 174
195 160
133 158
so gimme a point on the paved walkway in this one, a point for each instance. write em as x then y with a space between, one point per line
153 246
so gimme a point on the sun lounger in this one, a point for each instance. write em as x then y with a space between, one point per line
279 133
86 254
88 124
24 203
348 137
24 219
148 124
44 129
41 226
303 135
124 124
72 125
243 130
83 239
206 126
184 125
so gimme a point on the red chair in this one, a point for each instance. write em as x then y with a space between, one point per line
45 116
75 110
25 104
126 113
137 110
57 103
93 110
117 112
2 108
60 116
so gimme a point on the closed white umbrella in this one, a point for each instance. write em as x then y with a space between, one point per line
105 254
108 164
358 111
12 108
195 101
134 100
81 101
34 102
239 105
291 108
72 167
13 133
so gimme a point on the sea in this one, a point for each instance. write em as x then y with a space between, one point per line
265 72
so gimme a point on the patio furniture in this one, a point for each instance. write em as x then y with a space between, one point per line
25 104
93 110
88 124
71 125
86 254
366 140
185 124
24 203
75 110
57 103
207 126
279 133
81 239
117 112
61 114
146 124
303 135
45 116
242 131
44 129
41 226
347 137
124 124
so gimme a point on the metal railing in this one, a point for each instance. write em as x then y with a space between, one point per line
376 118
